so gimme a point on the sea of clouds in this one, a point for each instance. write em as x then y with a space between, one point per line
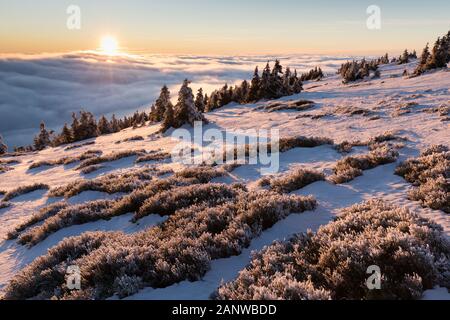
50 87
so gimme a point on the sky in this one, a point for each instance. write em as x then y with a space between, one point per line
232 27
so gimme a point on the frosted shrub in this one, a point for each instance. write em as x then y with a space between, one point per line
24 190
351 167
204 173
111 183
68 216
110 157
434 149
294 180
167 202
126 286
44 213
412 253
430 176
179 249
287 144
4 205
66 160
352 111
153 156
149 196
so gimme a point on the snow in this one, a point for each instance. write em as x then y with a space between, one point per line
381 96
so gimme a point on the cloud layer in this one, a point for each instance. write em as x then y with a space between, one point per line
50 87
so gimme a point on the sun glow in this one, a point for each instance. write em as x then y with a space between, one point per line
109 45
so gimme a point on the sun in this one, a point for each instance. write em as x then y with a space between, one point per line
109 45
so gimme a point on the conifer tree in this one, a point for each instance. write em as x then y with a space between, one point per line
115 127
76 132
276 81
88 127
168 120
185 111
244 91
255 85
200 101
161 104
3 146
205 102
42 140
296 83
104 127
424 58
287 87
265 85
65 137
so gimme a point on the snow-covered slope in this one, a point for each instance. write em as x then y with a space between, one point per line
393 103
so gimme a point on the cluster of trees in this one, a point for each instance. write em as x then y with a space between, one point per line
313 74
439 57
383 60
273 83
187 109
405 57
3 146
357 70
84 126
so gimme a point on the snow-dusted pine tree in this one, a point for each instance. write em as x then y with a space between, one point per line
276 81
115 127
265 84
42 140
104 127
161 104
185 111
168 120
254 87
3 146
200 101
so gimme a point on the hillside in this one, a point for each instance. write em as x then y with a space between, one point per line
410 113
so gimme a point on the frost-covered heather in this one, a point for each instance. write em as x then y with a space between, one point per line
110 157
412 253
90 169
179 249
130 139
168 202
44 213
148 196
9 161
293 180
153 156
430 176
347 147
4 205
402 109
205 173
289 143
24 190
300 105
77 146
351 167
66 217
4 169
111 183
352 111
66 160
